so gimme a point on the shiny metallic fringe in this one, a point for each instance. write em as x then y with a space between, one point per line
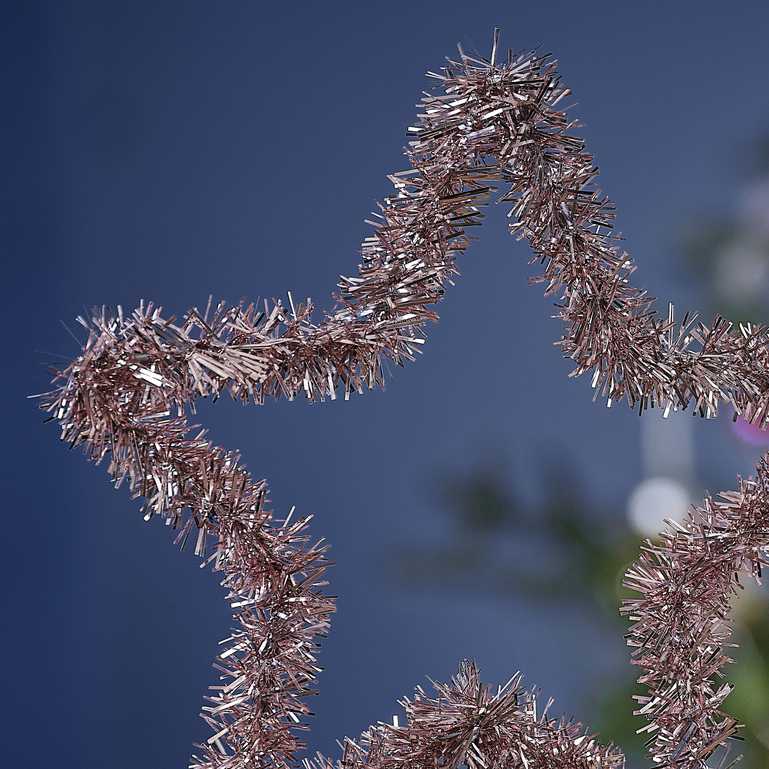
125 399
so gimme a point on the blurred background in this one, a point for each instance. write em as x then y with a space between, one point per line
482 506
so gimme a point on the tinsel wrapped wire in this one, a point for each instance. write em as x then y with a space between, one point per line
469 724
126 397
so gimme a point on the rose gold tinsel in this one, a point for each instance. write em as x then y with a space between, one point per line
125 399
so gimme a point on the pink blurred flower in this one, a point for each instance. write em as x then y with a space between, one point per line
752 434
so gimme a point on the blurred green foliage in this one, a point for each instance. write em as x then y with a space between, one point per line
586 552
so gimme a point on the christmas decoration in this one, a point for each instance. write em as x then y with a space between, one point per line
125 399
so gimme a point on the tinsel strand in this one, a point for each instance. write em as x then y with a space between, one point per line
126 398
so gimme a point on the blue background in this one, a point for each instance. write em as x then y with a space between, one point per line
171 150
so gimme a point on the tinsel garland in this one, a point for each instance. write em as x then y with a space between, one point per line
127 396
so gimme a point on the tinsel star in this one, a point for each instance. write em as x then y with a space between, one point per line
126 397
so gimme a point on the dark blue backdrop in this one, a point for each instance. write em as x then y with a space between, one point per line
171 150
